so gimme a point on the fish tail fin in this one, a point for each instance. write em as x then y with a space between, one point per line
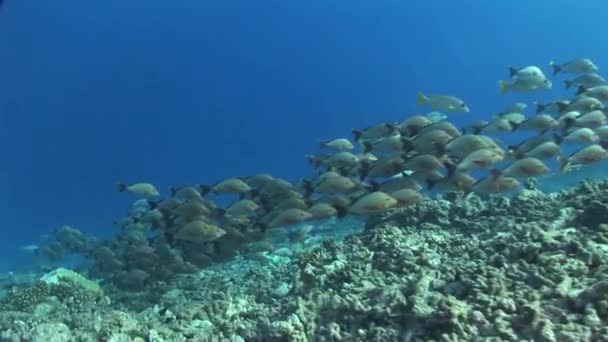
557 138
556 68
309 189
564 164
569 123
539 107
314 161
514 125
364 170
430 183
366 146
122 187
581 90
561 106
504 86
374 186
218 213
513 71
204 189
568 83
341 211
357 133
495 173
407 144
173 191
322 143
421 100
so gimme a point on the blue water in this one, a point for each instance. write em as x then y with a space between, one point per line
92 93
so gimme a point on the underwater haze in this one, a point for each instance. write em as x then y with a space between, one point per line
187 92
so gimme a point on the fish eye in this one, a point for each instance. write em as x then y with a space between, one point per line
463 105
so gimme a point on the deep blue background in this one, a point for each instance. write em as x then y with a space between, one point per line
174 92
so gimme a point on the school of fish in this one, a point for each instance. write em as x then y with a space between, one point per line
384 166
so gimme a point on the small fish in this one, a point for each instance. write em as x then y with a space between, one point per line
289 217
322 210
584 104
445 126
578 136
340 144
186 192
463 145
482 158
334 184
602 133
412 125
390 144
545 150
498 125
517 107
593 119
200 231
458 181
587 155
242 207
580 65
554 107
539 122
30 248
423 163
599 92
141 189
228 186
428 142
375 132
436 116
372 203
527 79
494 183
446 103
525 167
587 80
406 197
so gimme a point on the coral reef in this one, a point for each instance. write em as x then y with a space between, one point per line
529 267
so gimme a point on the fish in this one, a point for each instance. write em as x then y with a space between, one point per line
445 126
289 217
584 104
372 203
599 92
259 180
587 80
423 163
517 107
527 79
544 150
494 183
436 116
322 210
580 65
526 167
498 125
412 125
30 248
602 133
458 181
554 107
335 184
446 103
340 144
585 156
582 135
396 183
428 142
390 144
374 132
385 167
141 189
592 119
463 145
406 197
539 122
186 192
200 231
242 207
227 186
482 158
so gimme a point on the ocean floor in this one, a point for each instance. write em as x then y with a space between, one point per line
533 267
